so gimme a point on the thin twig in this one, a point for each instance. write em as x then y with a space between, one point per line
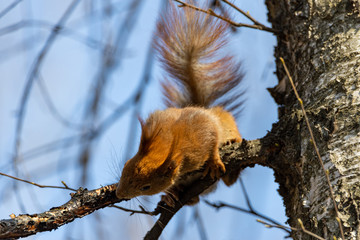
200 224
8 8
252 212
224 11
39 185
132 211
212 13
269 225
315 147
64 31
246 195
246 14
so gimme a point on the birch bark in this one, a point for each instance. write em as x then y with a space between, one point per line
320 42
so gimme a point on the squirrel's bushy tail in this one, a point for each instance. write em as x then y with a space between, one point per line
189 43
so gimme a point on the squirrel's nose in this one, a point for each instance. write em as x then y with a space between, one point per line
122 194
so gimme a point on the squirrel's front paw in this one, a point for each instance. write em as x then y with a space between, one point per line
215 167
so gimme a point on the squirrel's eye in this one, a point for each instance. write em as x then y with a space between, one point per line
146 187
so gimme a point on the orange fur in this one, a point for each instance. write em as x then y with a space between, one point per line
186 136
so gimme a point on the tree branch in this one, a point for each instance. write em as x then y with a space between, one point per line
10 7
256 25
220 205
84 202
38 185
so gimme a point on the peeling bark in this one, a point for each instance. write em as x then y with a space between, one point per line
320 43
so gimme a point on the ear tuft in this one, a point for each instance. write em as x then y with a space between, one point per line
145 140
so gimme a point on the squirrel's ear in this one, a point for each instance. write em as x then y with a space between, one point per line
148 134
144 141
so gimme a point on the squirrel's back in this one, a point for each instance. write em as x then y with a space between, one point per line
190 45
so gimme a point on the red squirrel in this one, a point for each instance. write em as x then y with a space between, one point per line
187 135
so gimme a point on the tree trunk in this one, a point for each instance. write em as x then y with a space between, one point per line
320 42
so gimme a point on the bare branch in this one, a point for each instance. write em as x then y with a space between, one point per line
167 212
68 32
200 224
82 203
256 24
39 185
268 225
9 8
246 14
132 211
219 205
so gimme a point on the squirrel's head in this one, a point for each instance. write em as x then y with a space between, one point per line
151 170
140 177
